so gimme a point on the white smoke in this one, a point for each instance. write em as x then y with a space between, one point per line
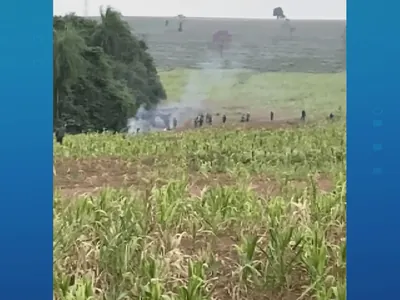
191 103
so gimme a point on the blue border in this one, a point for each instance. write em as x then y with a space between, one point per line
26 224
373 150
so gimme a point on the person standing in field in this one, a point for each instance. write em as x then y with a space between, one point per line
223 119
60 133
201 120
303 115
271 116
174 122
248 117
209 119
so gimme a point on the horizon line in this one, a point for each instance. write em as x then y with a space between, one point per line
232 18
215 17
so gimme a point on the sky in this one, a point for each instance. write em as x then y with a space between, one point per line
294 9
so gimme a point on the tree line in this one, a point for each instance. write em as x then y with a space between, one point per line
102 73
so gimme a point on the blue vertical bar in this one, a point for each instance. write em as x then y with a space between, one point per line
373 152
26 150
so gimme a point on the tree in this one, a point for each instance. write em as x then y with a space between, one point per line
68 64
278 13
181 19
221 40
102 73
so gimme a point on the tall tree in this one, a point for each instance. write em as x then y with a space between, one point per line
68 64
102 72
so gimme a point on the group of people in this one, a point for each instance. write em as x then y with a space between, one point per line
207 118
198 122
201 118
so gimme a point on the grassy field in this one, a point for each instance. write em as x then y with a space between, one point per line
239 211
239 91
263 45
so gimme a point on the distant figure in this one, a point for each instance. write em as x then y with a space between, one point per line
247 117
331 116
278 13
303 115
243 119
174 122
271 115
224 119
196 122
208 119
137 130
201 120
60 133
166 23
180 28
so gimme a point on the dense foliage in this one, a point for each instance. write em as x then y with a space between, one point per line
102 73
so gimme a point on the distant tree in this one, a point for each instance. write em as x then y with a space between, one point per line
221 40
181 19
102 73
278 13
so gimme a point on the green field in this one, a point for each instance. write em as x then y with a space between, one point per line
315 46
245 211
239 90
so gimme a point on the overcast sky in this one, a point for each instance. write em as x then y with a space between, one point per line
294 9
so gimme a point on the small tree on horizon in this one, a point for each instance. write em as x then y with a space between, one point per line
278 13
181 19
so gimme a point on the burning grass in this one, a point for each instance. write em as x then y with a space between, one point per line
209 214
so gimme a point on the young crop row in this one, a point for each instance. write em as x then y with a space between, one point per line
290 151
229 241
219 241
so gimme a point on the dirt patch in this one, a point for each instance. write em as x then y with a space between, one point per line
325 184
224 259
86 173
88 176
70 192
